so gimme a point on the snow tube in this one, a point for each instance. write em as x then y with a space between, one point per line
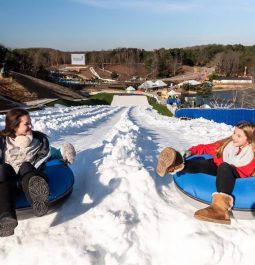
198 188
60 179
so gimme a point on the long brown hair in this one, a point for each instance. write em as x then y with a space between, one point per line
249 131
12 121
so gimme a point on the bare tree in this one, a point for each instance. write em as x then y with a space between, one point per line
229 63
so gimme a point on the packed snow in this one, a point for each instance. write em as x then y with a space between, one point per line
129 100
120 211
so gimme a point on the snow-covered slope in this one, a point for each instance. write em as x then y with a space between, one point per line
120 211
130 100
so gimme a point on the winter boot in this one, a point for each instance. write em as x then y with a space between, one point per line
169 161
8 222
8 219
218 211
36 190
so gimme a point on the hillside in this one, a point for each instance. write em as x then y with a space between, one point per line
22 88
44 89
12 94
132 72
124 71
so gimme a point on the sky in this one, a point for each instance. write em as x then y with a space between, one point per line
85 25
120 211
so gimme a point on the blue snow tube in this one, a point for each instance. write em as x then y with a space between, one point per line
60 180
200 186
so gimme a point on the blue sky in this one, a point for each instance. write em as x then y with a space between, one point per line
84 25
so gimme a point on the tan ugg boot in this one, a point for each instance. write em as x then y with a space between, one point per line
218 211
169 161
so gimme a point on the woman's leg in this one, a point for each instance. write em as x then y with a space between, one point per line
35 187
226 178
169 161
206 166
222 200
8 219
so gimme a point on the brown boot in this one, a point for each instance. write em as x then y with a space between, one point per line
218 211
169 161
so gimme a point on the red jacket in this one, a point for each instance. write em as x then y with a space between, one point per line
244 171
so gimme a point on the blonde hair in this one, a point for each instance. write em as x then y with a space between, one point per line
249 130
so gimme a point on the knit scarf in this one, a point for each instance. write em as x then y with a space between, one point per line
21 149
231 155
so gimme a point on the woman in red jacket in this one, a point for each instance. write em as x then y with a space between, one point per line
232 158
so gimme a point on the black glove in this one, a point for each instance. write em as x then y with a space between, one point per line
186 154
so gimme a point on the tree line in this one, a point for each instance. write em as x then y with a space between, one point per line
230 60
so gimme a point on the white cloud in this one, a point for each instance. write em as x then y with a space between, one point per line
164 6
142 5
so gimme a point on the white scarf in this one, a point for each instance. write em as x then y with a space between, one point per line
21 149
231 155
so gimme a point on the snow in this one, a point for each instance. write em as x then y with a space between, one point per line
130 100
120 211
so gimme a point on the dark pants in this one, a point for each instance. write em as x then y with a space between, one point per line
8 190
226 174
11 183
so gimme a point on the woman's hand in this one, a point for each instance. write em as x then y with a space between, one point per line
68 153
186 154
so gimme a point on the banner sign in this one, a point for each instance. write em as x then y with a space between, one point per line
78 59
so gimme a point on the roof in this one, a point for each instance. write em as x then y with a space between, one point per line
151 84
234 78
147 84
130 88
160 83
191 82
172 93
